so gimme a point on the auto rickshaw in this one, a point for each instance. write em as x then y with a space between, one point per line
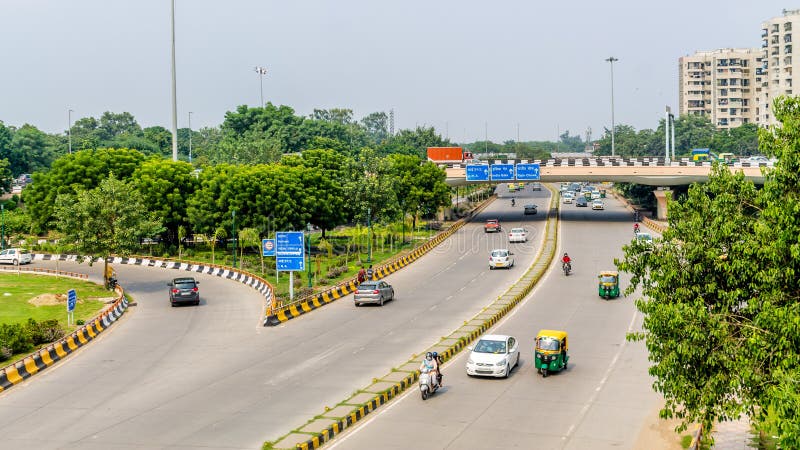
608 284
551 352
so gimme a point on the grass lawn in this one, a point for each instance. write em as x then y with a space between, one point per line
16 290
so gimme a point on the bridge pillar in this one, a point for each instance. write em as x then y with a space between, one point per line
661 202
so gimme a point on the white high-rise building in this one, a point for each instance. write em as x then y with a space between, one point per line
778 37
721 85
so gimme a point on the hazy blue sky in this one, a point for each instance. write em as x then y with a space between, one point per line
453 64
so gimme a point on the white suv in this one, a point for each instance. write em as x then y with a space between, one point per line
15 256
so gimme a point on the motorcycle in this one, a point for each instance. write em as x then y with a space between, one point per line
567 268
635 230
427 384
513 202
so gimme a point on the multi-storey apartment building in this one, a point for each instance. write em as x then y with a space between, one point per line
778 37
721 85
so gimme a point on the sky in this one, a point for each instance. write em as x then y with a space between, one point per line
466 67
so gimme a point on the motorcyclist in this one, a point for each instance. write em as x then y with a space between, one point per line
566 261
513 201
636 228
429 366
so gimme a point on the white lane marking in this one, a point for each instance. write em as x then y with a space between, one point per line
603 381
449 297
432 308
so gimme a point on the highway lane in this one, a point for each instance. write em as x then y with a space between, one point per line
601 401
210 377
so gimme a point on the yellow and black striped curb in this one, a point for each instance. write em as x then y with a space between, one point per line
254 281
309 304
333 421
655 226
46 357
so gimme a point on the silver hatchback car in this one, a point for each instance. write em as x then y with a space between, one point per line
373 292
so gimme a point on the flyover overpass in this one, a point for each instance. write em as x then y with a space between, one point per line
653 171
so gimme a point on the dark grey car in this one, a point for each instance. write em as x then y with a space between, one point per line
373 292
184 290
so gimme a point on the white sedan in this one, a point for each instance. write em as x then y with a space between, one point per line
597 204
501 257
493 355
518 235
568 197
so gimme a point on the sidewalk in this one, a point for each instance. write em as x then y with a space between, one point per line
733 435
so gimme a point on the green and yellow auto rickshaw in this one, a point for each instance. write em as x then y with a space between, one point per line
608 284
551 352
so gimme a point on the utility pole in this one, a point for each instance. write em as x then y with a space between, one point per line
261 71
174 92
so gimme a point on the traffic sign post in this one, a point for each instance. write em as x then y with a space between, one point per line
502 172
477 172
528 172
290 255
72 299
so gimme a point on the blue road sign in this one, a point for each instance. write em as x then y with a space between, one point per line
477 172
528 171
502 172
72 298
268 247
290 251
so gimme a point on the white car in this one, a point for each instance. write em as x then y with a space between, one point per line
501 257
518 235
598 204
568 197
15 256
493 355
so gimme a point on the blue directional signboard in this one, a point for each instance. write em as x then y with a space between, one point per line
289 251
528 171
502 172
268 247
72 298
477 172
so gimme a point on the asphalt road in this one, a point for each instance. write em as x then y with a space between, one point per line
600 402
212 377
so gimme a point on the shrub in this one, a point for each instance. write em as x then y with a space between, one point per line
80 322
14 338
44 332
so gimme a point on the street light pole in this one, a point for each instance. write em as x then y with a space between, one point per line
611 60
174 93
190 137
233 214
69 129
261 72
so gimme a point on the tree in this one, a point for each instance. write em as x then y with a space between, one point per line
166 186
109 219
5 176
112 125
339 115
29 151
248 237
376 126
219 233
720 294
83 169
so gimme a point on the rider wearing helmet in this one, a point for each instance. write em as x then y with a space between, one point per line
429 365
636 227
566 261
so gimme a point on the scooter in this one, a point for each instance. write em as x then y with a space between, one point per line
427 384
567 268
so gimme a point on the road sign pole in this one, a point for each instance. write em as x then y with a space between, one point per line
291 286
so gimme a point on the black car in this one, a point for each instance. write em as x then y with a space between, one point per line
530 209
581 201
184 290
